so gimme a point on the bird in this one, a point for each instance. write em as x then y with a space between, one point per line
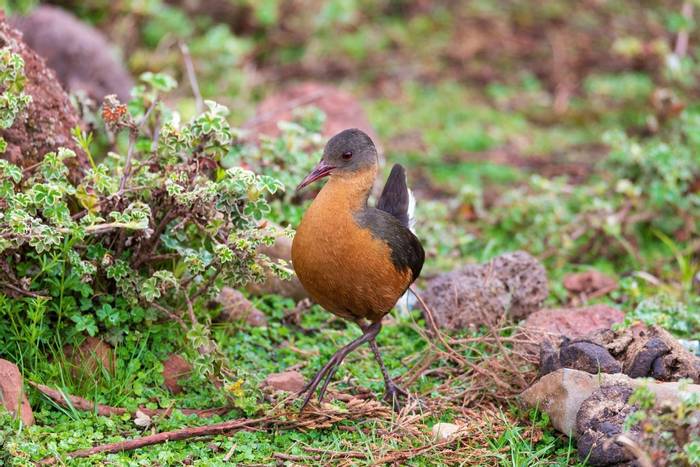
355 260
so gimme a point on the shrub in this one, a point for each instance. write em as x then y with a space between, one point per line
149 231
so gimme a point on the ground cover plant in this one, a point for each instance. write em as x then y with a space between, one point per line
572 136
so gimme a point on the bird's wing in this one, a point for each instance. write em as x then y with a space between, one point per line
396 198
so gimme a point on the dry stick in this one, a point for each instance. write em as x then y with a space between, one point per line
681 47
67 400
192 77
175 435
27 293
434 327
171 315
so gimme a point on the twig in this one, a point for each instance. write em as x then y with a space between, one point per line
192 77
230 452
18 290
681 47
171 315
67 400
636 450
175 435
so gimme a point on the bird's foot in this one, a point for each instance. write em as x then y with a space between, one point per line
395 395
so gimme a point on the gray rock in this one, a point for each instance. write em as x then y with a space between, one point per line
80 55
512 285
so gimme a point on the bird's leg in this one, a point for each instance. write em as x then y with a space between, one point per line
392 390
329 369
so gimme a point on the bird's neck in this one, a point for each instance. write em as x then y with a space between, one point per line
347 191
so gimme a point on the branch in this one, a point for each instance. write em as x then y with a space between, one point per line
67 400
192 77
175 435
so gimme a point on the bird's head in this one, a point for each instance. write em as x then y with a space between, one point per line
350 151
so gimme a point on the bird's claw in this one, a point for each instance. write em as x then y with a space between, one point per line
394 395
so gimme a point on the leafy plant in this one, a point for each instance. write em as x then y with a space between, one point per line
146 234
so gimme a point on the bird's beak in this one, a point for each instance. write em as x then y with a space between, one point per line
321 170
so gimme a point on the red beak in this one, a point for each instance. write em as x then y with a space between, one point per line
321 170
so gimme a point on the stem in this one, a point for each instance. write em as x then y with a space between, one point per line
192 77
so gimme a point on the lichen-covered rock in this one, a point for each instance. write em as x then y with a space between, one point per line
80 55
599 421
47 122
512 285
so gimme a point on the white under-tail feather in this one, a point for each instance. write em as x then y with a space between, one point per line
407 300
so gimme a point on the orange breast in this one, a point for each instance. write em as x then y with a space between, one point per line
341 265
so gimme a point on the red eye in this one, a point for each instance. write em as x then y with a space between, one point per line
347 156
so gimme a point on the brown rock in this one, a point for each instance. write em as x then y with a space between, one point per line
12 390
80 55
600 420
650 351
292 288
342 109
588 357
511 285
589 283
175 368
235 307
552 324
290 381
91 357
46 124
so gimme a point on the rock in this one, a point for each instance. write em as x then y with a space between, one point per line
342 110
292 288
526 280
552 324
598 423
12 390
650 351
47 122
174 369
443 431
589 283
512 285
90 358
561 393
588 357
235 307
290 381
80 55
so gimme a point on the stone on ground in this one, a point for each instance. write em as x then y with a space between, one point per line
175 368
512 286
235 307
90 358
289 381
81 56
48 120
551 325
14 400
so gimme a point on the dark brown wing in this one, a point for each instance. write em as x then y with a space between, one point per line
395 198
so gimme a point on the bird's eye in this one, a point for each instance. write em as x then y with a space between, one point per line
347 155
